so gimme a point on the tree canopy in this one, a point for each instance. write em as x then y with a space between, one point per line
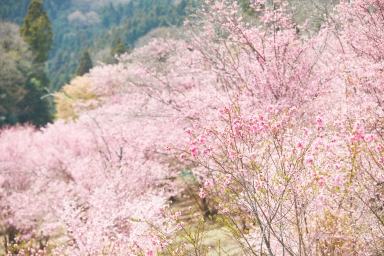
85 64
118 47
37 31
91 25
21 81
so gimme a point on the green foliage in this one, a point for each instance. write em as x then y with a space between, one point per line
36 109
12 78
85 64
245 5
11 10
118 47
142 16
21 82
110 17
128 21
188 176
37 31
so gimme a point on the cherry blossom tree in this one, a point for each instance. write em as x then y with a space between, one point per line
360 31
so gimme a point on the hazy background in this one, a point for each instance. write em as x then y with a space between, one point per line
95 25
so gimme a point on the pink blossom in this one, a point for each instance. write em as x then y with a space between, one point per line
309 160
202 140
196 215
176 215
202 193
194 151
224 110
292 110
369 137
180 224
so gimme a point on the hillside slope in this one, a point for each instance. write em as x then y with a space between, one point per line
95 25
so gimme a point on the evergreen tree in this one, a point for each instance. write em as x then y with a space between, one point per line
85 64
36 109
22 81
118 47
37 31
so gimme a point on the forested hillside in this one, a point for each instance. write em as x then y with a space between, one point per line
95 26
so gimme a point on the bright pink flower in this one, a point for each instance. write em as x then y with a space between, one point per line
180 224
194 151
202 193
300 145
309 160
232 154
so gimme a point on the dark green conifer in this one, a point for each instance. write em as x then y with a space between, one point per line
36 109
85 64
37 31
118 47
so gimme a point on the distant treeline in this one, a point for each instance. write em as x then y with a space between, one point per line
78 27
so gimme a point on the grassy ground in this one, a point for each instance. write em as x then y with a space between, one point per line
217 236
